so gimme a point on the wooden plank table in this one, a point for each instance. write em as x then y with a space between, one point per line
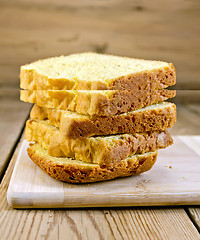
107 223
32 30
12 118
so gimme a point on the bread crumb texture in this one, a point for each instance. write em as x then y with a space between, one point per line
95 102
75 171
105 151
74 125
90 71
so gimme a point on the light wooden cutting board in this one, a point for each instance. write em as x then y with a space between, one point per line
174 180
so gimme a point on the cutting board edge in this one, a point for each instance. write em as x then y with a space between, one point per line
105 206
13 199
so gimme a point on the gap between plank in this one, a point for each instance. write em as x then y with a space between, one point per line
192 219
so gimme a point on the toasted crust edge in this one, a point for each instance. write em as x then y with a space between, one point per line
72 173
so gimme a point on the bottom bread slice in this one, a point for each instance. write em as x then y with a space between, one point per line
75 171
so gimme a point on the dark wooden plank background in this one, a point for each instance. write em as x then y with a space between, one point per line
167 31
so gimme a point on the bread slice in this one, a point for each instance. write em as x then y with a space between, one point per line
95 102
75 171
92 71
73 125
105 151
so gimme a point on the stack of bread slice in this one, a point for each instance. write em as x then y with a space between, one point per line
97 117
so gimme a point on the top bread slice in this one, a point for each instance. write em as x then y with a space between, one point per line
92 71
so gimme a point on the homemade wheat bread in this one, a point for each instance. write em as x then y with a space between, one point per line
73 125
83 101
92 71
95 102
105 151
75 171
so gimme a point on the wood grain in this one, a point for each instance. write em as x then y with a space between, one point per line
128 223
39 29
188 120
142 223
186 96
195 216
13 114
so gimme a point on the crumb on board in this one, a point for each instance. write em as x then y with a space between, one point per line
169 166
184 178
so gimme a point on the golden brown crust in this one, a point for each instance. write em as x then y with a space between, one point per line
83 173
156 79
75 126
102 103
104 151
